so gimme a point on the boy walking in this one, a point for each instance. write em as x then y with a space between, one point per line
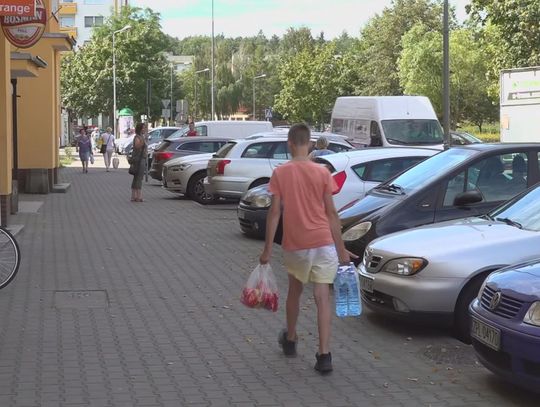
312 244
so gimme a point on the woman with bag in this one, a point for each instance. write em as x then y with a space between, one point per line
107 147
137 162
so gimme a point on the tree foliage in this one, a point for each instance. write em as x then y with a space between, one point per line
87 74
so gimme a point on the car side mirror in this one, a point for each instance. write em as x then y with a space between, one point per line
376 141
468 198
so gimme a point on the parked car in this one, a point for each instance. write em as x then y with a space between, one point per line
434 272
505 325
180 147
244 164
228 128
461 138
459 182
185 175
155 137
355 172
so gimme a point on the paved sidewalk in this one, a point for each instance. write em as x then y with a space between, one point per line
136 304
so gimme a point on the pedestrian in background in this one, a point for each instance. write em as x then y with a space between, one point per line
84 145
107 147
321 148
191 132
137 160
311 235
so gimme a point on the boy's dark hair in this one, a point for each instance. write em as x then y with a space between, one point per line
299 134
139 127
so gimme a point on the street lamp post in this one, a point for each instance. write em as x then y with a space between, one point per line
256 77
115 113
195 107
446 76
213 63
171 111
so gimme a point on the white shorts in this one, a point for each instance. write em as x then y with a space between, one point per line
318 265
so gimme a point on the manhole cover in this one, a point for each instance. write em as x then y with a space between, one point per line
450 354
81 299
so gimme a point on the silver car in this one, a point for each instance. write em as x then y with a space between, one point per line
434 272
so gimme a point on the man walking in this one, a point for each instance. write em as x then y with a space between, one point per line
312 244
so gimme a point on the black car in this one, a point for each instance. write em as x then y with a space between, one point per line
174 147
459 182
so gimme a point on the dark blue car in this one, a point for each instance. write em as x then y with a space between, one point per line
506 324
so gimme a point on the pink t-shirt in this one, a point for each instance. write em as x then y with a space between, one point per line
301 185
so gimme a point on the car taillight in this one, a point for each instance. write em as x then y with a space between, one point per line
340 178
220 167
162 156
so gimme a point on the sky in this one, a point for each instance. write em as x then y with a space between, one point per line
232 18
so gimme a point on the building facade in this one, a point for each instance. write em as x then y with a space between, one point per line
77 18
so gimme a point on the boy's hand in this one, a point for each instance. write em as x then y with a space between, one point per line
346 256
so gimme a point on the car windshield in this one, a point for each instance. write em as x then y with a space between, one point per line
469 138
224 151
424 172
524 212
412 132
178 133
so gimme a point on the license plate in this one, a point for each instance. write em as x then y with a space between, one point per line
366 284
241 215
486 334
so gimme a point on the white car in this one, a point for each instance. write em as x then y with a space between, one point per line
185 175
356 172
244 164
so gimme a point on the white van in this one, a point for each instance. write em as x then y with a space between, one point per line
395 121
229 128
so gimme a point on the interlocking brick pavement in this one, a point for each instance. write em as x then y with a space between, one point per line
171 331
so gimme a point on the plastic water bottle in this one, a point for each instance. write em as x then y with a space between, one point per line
354 302
341 292
348 303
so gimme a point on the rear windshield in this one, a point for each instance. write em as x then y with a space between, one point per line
163 145
178 133
224 151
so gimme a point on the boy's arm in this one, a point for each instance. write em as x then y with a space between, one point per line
272 221
344 255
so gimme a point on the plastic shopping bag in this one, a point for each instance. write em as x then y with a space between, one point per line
261 289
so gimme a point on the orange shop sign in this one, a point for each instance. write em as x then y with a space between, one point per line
23 32
23 8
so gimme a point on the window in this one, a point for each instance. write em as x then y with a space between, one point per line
498 178
382 170
360 170
281 152
167 132
201 130
258 150
200 146
67 21
225 150
94 2
338 148
412 132
93 21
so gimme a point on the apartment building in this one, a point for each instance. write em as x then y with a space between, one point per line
78 17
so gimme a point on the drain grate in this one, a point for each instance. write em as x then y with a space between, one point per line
81 299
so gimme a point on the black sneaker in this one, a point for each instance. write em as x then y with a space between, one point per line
324 363
289 347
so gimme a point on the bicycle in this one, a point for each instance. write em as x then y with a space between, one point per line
10 257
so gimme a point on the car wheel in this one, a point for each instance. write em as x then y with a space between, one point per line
259 182
462 322
196 190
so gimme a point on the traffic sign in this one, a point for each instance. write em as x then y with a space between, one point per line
166 113
268 113
165 103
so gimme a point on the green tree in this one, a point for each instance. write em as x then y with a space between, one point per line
380 43
420 72
86 77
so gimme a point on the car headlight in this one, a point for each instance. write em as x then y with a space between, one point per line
532 316
406 266
261 201
356 232
183 167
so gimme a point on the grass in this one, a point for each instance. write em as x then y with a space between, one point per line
490 131
67 158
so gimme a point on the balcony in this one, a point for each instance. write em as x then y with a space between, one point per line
67 9
71 31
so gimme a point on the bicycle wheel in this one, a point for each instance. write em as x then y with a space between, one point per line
9 257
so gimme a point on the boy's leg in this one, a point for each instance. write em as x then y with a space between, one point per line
293 306
321 292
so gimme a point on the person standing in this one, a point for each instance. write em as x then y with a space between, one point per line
191 132
321 148
107 147
84 145
312 244
138 161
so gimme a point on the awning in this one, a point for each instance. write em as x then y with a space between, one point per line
18 8
59 41
25 65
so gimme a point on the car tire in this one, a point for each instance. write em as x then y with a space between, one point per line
195 189
462 321
259 182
